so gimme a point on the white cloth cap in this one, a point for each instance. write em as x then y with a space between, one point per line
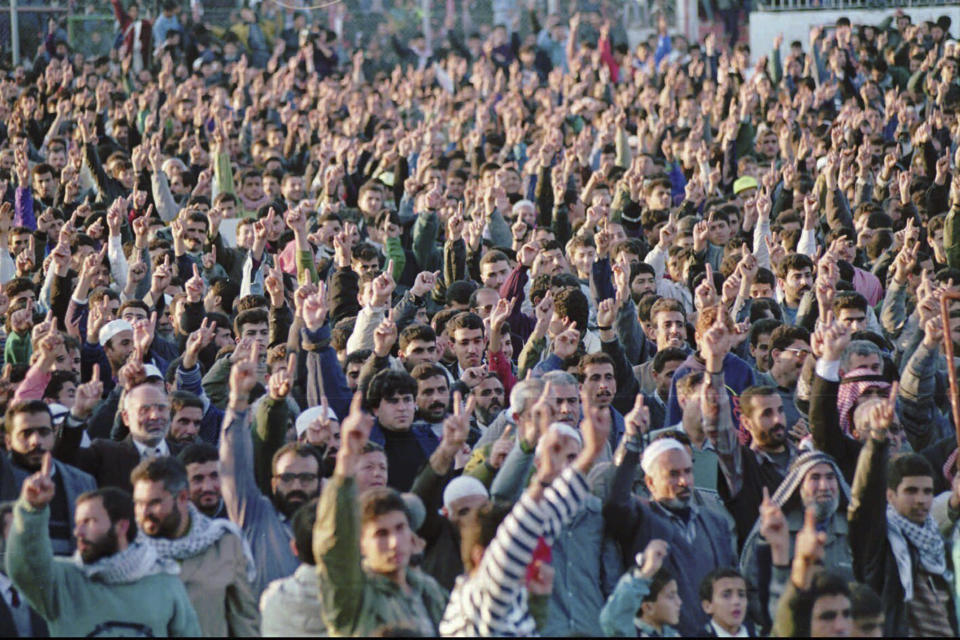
306 418
563 429
58 412
656 449
463 487
112 328
152 371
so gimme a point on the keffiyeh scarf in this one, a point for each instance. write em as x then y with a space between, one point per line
926 538
203 532
139 560
852 386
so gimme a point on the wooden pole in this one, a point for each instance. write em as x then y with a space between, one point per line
948 351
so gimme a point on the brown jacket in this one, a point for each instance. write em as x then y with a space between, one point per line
216 581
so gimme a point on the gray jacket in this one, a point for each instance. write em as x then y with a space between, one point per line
263 526
291 606
585 560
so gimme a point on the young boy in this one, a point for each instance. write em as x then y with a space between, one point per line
723 596
655 589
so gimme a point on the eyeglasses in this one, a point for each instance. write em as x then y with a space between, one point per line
304 478
798 353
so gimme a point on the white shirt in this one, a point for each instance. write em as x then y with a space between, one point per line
152 452
722 633
21 612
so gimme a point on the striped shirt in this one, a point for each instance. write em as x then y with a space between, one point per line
493 602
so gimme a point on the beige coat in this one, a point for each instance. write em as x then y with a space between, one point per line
217 584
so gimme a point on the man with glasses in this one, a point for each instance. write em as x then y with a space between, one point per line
789 348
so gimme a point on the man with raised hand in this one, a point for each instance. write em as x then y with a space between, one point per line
116 583
362 546
295 480
499 550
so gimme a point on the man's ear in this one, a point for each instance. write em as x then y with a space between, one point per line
121 527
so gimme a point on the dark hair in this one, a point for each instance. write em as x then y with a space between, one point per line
180 399
57 380
199 453
785 335
427 370
658 582
250 316
760 306
756 391
570 302
906 465
416 332
706 585
464 320
460 292
379 501
302 524
824 583
356 356
251 302
166 469
227 289
793 262
299 449
760 327
117 503
849 300
28 407
479 528
593 358
388 383
667 355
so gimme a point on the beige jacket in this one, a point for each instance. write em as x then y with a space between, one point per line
216 581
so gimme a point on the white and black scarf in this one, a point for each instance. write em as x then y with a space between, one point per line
925 538
203 532
139 560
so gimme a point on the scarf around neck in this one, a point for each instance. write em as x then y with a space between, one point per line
139 560
925 538
204 531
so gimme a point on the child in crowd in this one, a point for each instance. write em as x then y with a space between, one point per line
723 596
654 589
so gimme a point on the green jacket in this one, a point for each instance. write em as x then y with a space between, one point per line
951 239
75 605
17 349
357 601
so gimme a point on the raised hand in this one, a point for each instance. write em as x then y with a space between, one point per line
774 529
315 308
808 550
38 490
456 427
384 336
354 433
197 342
383 286
243 377
88 396
280 382
705 294
596 432
882 415
133 373
715 343
637 422
424 283
566 343
831 337
652 557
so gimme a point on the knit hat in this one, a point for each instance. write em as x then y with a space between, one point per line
656 449
112 328
853 385
743 183
463 487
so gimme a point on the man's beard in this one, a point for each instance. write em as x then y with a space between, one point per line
435 412
166 528
824 509
288 503
490 414
96 549
23 460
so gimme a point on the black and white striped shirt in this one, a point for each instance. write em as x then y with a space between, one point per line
493 602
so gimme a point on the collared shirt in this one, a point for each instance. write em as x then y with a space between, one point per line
19 610
152 452
722 633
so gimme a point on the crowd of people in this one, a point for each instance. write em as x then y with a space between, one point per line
506 328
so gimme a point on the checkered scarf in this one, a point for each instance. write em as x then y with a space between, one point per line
203 532
924 538
852 386
139 560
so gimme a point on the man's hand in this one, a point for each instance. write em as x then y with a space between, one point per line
933 333
280 382
243 377
456 429
38 490
315 308
774 529
384 336
132 373
596 432
650 561
273 283
705 293
88 396
715 343
354 433
566 343
197 342
424 283
195 286
831 338
808 550
383 286
637 422
882 415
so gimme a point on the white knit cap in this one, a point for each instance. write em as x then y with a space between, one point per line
563 429
463 487
305 419
656 449
112 328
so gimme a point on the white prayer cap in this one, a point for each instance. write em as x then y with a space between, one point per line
305 419
112 328
656 449
563 429
152 371
463 487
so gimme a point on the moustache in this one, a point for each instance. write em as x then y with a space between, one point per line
296 496
437 406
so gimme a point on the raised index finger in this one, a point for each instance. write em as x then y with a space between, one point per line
46 467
